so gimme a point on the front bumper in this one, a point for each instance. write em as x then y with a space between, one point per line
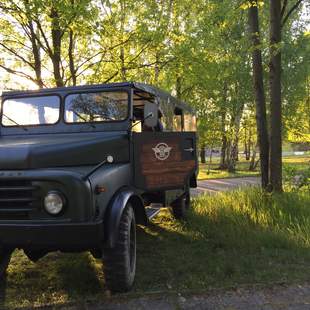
62 236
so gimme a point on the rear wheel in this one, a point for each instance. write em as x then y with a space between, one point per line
5 257
120 261
181 205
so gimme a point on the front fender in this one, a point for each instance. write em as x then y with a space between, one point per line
114 213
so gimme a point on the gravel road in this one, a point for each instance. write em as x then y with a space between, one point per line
278 297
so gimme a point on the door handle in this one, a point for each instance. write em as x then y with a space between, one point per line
189 150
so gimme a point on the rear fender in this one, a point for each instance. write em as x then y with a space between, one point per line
115 210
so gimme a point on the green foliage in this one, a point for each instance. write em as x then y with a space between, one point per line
296 179
199 51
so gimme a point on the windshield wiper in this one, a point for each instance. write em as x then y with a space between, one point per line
83 118
11 120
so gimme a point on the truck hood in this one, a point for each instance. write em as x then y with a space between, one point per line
61 150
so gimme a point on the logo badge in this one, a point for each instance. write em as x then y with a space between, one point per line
162 151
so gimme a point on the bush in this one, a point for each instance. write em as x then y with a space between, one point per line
296 180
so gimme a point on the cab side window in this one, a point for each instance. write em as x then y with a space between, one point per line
138 123
178 120
167 117
189 122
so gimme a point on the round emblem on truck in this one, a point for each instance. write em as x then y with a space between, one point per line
162 151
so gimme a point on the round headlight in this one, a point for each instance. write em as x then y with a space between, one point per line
53 203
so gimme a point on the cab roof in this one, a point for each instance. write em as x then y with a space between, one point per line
139 90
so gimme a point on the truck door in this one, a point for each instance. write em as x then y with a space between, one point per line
164 160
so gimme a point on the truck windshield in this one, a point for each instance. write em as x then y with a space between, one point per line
41 110
96 107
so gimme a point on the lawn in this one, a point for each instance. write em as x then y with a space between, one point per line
243 237
300 163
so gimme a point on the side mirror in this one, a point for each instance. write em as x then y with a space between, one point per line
150 114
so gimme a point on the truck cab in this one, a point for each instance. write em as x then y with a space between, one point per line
81 166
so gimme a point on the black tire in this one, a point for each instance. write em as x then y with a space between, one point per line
120 261
181 206
5 257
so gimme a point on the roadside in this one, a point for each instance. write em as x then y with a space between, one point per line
225 184
291 297
231 240
212 171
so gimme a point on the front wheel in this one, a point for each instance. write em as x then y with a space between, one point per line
5 257
120 261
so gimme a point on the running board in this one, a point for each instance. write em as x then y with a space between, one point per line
153 210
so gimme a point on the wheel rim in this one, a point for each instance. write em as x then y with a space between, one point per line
132 246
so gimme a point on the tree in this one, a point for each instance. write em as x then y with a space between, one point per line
36 33
275 164
277 20
261 116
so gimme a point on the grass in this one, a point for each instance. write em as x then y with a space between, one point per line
297 160
242 167
241 237
215 173
299 163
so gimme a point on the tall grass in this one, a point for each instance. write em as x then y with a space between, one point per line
232 238
249 214
245 236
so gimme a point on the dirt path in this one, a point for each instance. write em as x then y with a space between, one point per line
218 185
279 297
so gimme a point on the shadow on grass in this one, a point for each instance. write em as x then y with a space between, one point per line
216 247
218 250
55 279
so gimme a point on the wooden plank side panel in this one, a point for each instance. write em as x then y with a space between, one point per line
168 168
152 173
160 180
149 154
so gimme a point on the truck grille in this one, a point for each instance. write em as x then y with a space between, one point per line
17 199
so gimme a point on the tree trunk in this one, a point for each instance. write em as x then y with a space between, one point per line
236 150
224 144
71 58
252 163
275 164
245 142
123 67
249 143
260 101
35 47
122 48
56 40
210 160
228 155
36 55
232 156
156 69
179 87
203 154
223 160
223 153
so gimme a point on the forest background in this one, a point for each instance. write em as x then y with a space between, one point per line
199 51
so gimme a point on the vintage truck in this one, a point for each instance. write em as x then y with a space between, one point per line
81 166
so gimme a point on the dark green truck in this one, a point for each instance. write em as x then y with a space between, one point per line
81 166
